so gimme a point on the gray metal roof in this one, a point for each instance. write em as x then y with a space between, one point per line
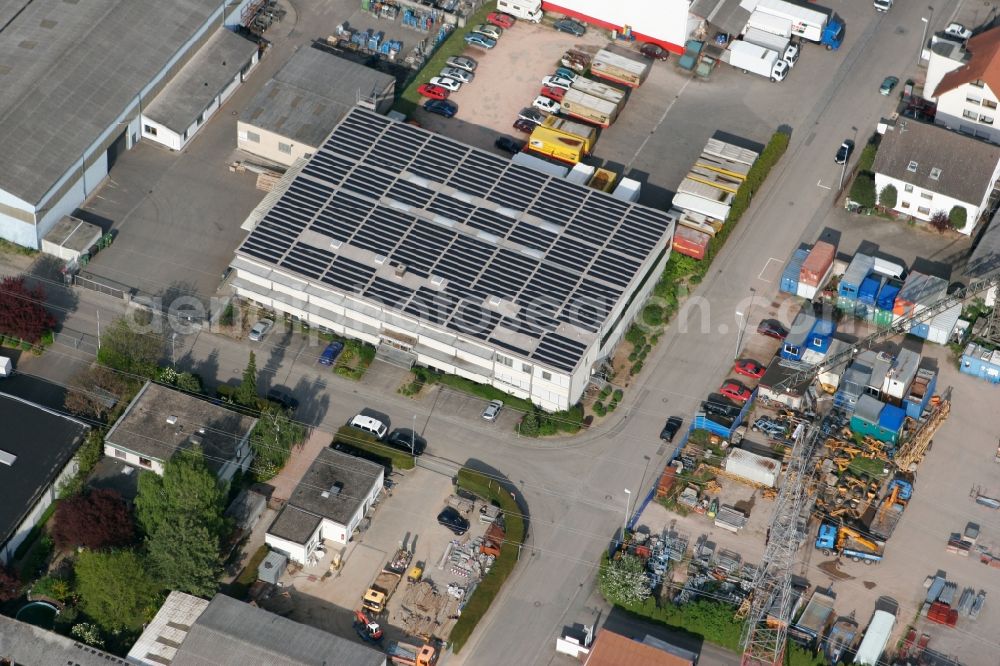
145 429
70 68
985 258
964 166
312 92
868 408
203 77
232 633
334 487
859 268
725 14
923 289
416 223
27 644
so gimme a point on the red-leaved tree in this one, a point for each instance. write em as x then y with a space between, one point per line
22 310
10 585
96 519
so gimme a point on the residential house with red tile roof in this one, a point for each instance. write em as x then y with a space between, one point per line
965 83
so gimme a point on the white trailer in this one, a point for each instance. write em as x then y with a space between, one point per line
527 10
768 40
6 367
776 25
601 90
805 22
752 58
876 638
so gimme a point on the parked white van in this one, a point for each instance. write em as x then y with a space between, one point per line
369 425
528 10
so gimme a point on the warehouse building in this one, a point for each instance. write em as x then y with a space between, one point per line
77 77
454 258
663 22
295 111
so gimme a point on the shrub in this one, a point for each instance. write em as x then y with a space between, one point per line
22 311
52 587
363 445
600 409
652 314
98 519
10 585
37 558
605 392
529 425
957 217
887 197
863 190
636 368
228 317
619 394
939 220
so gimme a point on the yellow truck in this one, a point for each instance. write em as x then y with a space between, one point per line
573 129
557 145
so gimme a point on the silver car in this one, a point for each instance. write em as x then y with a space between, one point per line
492 410
491 31
458 74
260 329
463 62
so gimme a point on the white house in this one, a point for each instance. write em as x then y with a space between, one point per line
934 170
161 421
329 503
965 82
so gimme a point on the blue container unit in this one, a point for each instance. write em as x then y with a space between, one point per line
981 362
920 330
790 276
867 295
915 403
884 303
850 285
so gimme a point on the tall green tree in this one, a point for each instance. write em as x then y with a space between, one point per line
128 346
623 581
188 487
957 217
246 392
185 556
115 589
272 441
887 197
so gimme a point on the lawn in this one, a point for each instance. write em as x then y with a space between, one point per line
867 468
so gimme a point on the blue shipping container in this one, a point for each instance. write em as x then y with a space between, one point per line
790 276
859 268
921 330
869 289
887 295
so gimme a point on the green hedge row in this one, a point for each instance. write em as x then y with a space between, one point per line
489 587
367 446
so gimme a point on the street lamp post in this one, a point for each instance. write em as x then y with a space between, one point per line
413 440
628 501
743 324
923 40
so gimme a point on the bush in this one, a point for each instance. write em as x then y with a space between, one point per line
636 368
568 421
363 445
600 409
887 197
605 392
37 559
529 425
228 317
618 395
52 587
940 221
957 217
863 189
491 491
652 314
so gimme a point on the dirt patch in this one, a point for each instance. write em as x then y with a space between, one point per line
870 584
830 569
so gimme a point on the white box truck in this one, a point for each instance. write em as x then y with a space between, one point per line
6 367
766 39
752 58
526 10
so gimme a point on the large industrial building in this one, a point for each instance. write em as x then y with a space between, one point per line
663 22
451 257
77 78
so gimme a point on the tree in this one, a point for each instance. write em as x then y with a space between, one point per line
246 392
957 217
22 310
95 390
529 424
98 519
623 581
128 348
184 381
185 556
863 190
939 220
115 589
272 441
887 197
652 314
10 585
188 487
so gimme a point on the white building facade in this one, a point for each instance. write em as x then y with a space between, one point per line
964 84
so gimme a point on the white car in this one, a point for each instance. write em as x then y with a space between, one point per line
446 83
557 82
791 54
780 71
458 74
492 410
260 329
958 30
545 104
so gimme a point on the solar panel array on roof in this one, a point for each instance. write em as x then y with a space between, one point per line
476 229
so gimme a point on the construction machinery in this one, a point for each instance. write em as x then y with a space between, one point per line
408 654
386 582
912 449
849 543
367 628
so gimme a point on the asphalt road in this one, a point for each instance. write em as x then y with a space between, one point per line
575 489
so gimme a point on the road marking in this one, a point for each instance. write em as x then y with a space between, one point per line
819 183
767 264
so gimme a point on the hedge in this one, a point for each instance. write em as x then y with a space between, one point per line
492 491
364 445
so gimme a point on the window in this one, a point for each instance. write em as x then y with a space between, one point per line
546 375
971 115
908 188
935 173
149 129
119 453
977 84
986 120
927 195
253 137
904 204
972 99
145 462
923 211
285 148
912 167
989 104
526 367
505 360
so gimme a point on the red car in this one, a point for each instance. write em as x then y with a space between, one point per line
526 126
500 20
432 91
734 390
749 368
553 93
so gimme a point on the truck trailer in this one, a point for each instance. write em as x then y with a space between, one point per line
618 68
815 619
809 22
766 39
586 107
876 638
559 146
848 543
386 582
408 654
526 10
572 129
598 89
753 58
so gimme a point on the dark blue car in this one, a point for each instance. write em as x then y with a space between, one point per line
442 107
331 353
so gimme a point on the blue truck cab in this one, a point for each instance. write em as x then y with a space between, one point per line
833 33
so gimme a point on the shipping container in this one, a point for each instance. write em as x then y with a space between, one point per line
868 291
580 174
690 242
943 325
790 276
859 268
818 265
597 89
919 291
603 180
588 108
752 467
696 204
887 268
618 68
558 146
586 133
876 638
627 190
886 298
